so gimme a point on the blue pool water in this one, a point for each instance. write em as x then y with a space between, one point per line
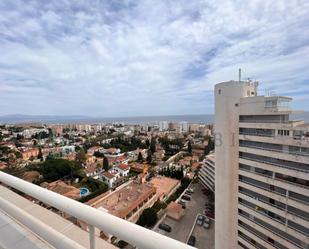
83 191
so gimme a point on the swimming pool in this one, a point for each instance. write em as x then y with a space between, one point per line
83 192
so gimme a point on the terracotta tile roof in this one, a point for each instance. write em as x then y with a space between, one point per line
108 175
123 166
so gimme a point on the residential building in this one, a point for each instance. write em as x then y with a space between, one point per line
92 169
163 125
129 201
139 167
183 126
207 172
172 126
165 186
30 153
194 127
63 188
262 170
123 169
110 178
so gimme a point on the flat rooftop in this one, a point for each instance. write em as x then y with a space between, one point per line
164 185
122 201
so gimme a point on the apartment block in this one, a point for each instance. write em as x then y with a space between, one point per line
207 172
262 170
128 202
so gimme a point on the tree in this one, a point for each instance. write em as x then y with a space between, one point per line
40 154
19 137
149 157
81 156
153 145
209 147
105 164
98 154
140 157
147 143
189 147
55 169
148 218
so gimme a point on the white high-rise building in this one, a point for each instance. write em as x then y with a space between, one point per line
163 125
183 126
262 171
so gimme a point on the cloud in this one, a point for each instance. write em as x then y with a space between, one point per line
122 58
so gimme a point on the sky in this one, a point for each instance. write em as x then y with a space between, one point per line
113 58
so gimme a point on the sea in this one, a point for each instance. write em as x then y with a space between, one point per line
196 119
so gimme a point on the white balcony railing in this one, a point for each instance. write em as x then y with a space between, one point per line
136 235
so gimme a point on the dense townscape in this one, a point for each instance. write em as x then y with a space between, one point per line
148 165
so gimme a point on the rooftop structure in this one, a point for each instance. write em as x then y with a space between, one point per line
175 210
165 186
64 189
128 200
139 167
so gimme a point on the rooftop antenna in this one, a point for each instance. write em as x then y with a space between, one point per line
239 74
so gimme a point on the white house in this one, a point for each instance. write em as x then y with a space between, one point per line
110 177
123 169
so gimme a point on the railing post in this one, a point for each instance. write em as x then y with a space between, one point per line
91 237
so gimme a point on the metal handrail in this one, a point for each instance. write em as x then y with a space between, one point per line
268 229
256 234
273 163
256 134
266 121
275 150
275 192
125 230
275 206
277 179
277 220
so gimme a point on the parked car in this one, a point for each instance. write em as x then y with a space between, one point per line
206 225
192 241
209 210
165 227
188 193
191 190
182 203
209 214
206 219
186 197
200 220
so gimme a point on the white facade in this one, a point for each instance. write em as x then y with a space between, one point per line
163 125
262 171
183 126
123 171
207 172
110 177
